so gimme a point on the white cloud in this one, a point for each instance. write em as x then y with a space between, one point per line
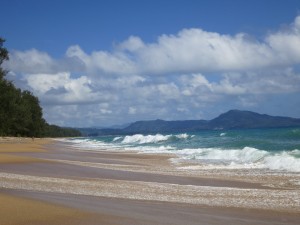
227 87
132 110
31 61
286 43
189 51
194 50
168 91
271 81
60 88
41 83
102 61
169 79
132 44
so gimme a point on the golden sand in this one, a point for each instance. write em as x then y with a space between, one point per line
20 145
96 182
5 158
13 145
16 210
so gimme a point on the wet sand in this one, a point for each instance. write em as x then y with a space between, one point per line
109 187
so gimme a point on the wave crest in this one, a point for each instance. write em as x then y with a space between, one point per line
239 158
146 139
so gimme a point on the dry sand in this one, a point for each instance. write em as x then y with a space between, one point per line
64 185
16 210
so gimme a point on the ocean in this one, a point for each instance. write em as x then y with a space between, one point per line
271 149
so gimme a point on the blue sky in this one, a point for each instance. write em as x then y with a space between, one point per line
98 63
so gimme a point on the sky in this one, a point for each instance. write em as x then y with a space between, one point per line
107 62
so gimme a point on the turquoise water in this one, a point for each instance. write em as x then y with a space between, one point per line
275 149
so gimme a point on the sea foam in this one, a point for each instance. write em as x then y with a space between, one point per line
244 158
283 161
144 139
245 155
211 149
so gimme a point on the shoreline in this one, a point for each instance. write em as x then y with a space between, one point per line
148 180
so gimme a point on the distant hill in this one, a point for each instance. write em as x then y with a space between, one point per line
236 119
233 119
163 126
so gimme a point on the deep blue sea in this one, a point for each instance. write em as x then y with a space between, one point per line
274 149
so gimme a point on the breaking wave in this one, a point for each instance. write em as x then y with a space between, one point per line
144 139
245 158
275 149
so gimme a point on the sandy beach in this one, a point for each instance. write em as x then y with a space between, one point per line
51 182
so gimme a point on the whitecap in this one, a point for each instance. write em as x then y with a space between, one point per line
283 161
246 158
143 139
182 136
245 155
116 139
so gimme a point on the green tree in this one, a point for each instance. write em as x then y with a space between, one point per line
34 120
3 57
9 99
20 111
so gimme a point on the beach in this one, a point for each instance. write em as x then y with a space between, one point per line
49 181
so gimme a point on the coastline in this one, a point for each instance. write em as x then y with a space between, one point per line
106 184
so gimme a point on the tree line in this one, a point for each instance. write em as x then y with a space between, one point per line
20 111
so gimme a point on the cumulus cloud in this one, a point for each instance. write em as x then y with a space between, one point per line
102 61
60 88
189 51
132 44
170 78
31 61
286 43
194 50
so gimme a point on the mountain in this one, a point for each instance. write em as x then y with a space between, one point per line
119 126
163 126
236 119
233 119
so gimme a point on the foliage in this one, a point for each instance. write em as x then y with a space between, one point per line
56 131
3 57
20 111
